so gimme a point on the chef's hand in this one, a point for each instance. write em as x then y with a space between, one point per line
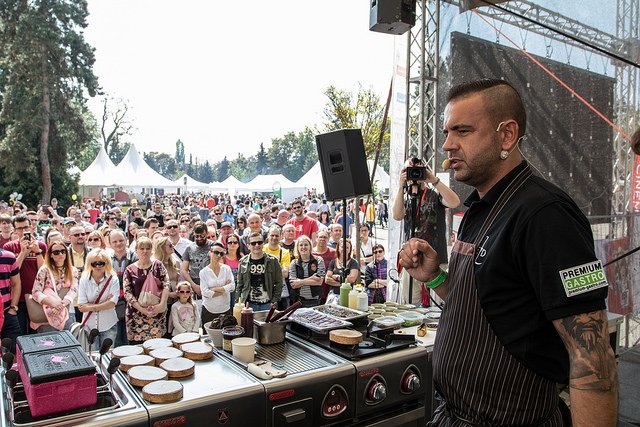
420 260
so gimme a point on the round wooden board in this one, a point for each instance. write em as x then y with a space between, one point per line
140 376
179 367
129 362
162 391
165 353
185 338
345 336
155 343
126 350
197 351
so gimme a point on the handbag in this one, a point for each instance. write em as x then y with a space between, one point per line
151 292
35 309
79 331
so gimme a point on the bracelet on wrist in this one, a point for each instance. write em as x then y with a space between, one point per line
438 280
437 181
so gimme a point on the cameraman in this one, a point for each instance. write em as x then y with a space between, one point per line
429 218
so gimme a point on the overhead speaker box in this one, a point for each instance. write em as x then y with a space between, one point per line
392 16
343 164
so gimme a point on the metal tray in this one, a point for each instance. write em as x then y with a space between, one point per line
342 313
317 321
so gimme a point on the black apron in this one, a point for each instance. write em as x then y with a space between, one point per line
480 382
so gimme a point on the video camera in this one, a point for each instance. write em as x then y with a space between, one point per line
416 173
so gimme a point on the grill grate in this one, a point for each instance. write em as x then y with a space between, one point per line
291 358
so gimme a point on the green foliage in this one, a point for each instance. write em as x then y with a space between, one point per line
261 160
293 154
179 157
363 110
221 170
162 163
45 70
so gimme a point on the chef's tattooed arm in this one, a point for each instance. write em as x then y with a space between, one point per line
593 378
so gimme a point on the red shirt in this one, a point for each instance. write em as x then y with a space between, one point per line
29 268
94 214
307 226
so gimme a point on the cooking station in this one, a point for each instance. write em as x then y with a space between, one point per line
383 381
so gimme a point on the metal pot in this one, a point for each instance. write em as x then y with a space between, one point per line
268 333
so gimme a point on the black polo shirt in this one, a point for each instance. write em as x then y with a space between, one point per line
518 262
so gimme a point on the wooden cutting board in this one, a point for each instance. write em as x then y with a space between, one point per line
197 351
155 343
345 336
162 391
185 338
129 362
126 350
165 353
140 376
179 367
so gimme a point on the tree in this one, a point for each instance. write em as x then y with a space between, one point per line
46 67
162 163
116 125
206 172
293 154
361 110
261 160
239 169
221 170
179 154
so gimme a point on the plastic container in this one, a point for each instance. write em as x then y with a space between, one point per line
345 289
59 380
411 318
230 333
362 301
247 321
237 310
353 299
244 349
26 344
214 334
386 322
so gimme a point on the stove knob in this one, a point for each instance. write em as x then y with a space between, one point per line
377 392
410 383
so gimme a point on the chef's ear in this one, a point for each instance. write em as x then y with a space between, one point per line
508 134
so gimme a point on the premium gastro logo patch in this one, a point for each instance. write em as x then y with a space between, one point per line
583 278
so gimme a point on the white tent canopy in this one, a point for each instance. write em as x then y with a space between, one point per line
264 183
192 184
101 172
133 171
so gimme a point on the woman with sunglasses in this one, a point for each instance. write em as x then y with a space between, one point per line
95 240
145 322
55 288
163 252
375 276
99 279
232 259
229 214
241 224
216 284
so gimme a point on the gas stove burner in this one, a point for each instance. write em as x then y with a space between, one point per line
365 344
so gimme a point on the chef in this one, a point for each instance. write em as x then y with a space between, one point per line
524 295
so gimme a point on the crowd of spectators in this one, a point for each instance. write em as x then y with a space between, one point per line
59 266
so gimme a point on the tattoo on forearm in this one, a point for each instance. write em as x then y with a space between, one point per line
592 362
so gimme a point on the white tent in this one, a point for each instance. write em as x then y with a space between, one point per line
264 183
134 172
101 172
192 184
313 178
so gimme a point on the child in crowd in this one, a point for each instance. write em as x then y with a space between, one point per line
184 312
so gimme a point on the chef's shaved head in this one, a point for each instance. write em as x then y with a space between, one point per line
503 102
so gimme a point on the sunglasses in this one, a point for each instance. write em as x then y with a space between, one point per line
85 217
378 251
200 236
170 227
182 221
111 219
219 253
59 252
184 292
98 264
256 243
96 239
79 234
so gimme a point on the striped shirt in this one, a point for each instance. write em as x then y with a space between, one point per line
8 269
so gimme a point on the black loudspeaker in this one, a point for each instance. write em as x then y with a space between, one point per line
343 164
392 16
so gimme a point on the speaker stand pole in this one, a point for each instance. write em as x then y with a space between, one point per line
414 209
344 238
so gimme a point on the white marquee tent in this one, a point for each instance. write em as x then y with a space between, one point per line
313 178
101 172
192 184
134 172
